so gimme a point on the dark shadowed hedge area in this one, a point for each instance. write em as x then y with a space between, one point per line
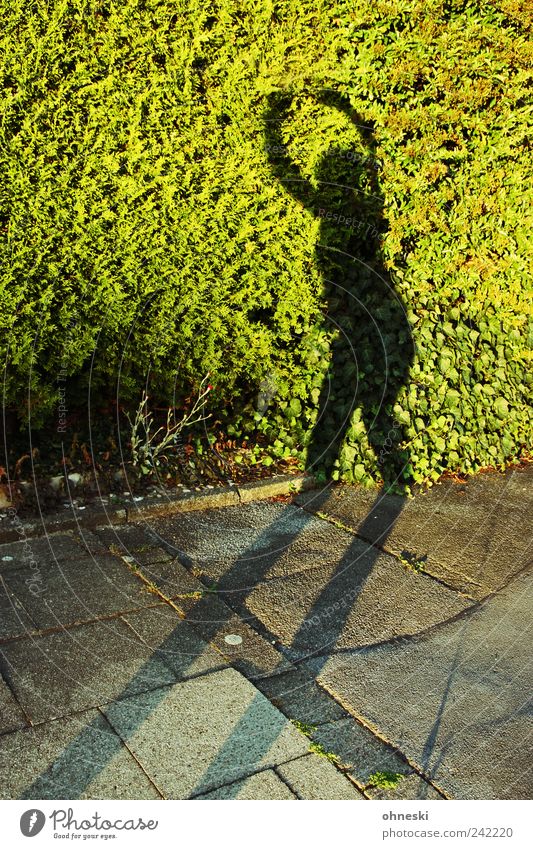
323 204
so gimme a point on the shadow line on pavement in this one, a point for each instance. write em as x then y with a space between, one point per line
63 771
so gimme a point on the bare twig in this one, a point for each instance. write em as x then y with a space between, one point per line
148 448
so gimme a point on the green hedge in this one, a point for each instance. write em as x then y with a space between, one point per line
145 228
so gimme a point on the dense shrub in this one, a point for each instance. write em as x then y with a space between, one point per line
147 230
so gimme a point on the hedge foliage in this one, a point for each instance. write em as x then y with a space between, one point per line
147 226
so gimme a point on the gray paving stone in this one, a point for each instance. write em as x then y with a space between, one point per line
89 542
170 577
11 716
359 751
137 541
314 777
56 547
14 619
138 545
76 758
15 559
236 546
67 586
261 785
296 694
365 598
133 537
475 535
453 701
198 735
174 642
57 674
254 657
456 702
410 787
354 596
214 620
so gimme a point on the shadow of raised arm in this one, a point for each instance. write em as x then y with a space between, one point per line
283 167
289 173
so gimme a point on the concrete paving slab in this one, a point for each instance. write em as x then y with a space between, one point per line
132 539
11 716
253 655
138 542
14 619
198 735
76 758
237 545
21 567
296 694
288 585
212 619
359 751
366 598
139 546
262 785
314 777
169 576
86 666
174 642
75 589
215 622
57 547
475 535
457 701
355 596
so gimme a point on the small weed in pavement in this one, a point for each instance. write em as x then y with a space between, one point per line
318 749
411 562
385 780
304 727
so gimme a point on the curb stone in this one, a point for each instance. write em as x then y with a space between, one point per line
228 496
123 514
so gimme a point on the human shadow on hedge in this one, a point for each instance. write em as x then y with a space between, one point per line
373 334
372 350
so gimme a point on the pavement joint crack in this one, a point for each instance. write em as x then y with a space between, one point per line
381 737
287 783
331 520
132 753
57 629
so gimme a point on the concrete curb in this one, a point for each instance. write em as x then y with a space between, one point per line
93 515
227 496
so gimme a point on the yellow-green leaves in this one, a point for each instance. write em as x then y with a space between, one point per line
137 201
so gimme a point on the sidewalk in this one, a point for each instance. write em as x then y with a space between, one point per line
333 645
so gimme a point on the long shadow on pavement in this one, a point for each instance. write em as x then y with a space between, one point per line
95 751
349 578
373 337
